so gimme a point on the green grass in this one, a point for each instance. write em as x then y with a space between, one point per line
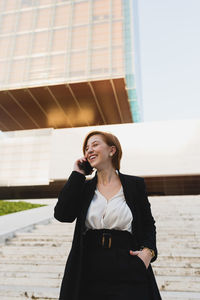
9 207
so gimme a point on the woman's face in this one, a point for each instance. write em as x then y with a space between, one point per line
98 152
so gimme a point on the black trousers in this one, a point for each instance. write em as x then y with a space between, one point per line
113 274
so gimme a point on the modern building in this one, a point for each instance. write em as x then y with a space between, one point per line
68 63
75 63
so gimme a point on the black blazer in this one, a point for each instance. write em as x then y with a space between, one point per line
73 203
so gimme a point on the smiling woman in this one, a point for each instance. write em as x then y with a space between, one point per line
115 236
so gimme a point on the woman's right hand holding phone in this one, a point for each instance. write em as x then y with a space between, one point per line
77 163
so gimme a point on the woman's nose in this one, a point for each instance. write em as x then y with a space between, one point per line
90 150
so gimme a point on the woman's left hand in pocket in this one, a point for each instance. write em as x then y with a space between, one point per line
144 255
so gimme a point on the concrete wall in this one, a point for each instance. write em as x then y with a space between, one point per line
149 149
25 157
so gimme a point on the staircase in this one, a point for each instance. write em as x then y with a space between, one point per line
177 268
32 263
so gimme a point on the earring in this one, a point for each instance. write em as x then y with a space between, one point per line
110 154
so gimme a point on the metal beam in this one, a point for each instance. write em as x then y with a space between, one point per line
58 104
17 102
97 102
117 101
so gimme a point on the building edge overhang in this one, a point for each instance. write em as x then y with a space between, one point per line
66 105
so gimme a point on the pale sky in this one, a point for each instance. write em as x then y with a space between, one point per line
169 32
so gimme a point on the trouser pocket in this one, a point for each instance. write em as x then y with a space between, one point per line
138 269
141 262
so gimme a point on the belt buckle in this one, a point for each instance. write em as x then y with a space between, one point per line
107 244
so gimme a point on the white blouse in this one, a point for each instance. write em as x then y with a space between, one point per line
110 214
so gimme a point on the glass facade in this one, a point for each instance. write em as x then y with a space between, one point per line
44 42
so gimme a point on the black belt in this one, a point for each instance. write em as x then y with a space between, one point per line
108 238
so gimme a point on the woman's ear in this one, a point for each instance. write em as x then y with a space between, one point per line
113 150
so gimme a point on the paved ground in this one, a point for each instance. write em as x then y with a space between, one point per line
32 263
25 220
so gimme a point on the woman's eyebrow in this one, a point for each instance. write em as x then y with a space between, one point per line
93 142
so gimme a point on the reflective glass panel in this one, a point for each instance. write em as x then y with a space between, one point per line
60 38
79 37
117 33
100 35
8 23
78 63
58 64
17 74
25 20
5 43
62 15
22 44
43 18
40 43
81 13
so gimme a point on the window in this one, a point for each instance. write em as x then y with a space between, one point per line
17 73
58 65
4 46
117 59
81 13
10 4
100 35
62 15
78 63
45 2
25 20
22 44
8 23
60 1
101 10
38 68
43 18
80 37
117 33
3 71
40 44
28 3
60 38
100 61
117 9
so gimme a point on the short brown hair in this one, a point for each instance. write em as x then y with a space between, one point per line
111 140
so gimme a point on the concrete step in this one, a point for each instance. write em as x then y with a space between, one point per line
179 283
29 292
33 268
52 274
17 281
176 271
7 250
179 295
56 272
175 264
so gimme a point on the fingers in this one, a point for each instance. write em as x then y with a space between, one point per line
146 260
134 252
82 159
76 165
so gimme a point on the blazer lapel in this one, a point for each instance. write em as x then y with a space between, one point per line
128 189
130 194
89 192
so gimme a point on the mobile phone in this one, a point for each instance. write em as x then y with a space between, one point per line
86 167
